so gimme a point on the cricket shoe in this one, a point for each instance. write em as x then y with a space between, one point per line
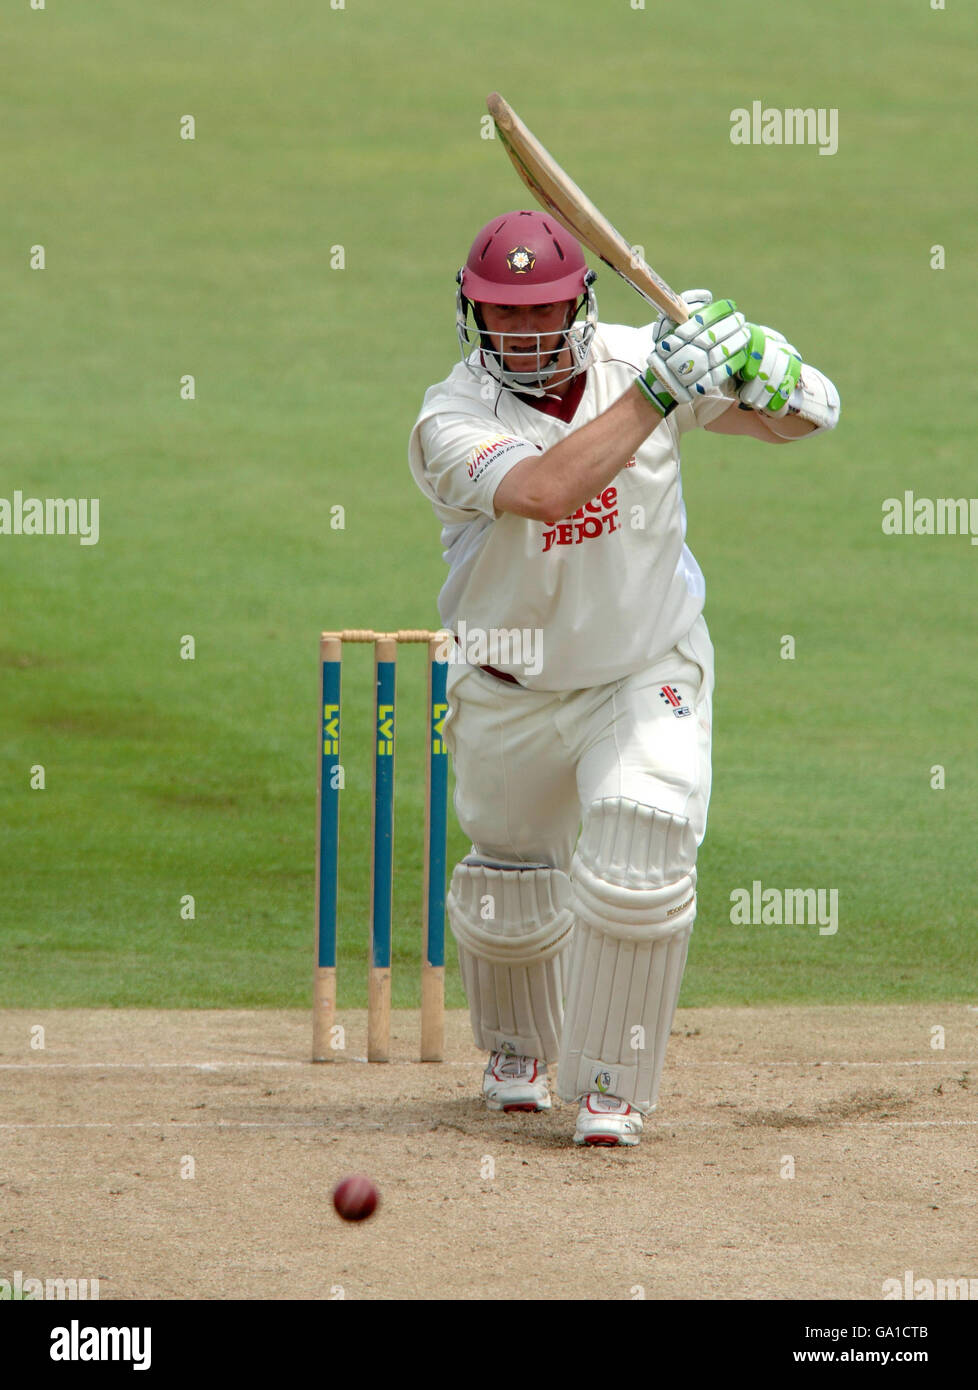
607 1121
515 1083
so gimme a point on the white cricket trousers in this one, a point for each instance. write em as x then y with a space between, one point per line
528 763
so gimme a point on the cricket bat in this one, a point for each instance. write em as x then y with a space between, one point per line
559 195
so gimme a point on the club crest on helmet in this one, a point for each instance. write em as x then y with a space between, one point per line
520 260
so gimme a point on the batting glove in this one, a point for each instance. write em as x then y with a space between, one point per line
693 299
699 356
652 385
770 373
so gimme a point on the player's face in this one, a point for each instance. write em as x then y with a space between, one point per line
527 335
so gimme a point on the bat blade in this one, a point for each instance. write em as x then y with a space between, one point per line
559 195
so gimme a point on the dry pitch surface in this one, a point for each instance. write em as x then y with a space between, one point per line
97 1130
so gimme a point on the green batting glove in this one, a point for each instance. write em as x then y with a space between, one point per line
771 372
654 391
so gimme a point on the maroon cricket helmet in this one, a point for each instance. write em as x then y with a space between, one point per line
523 258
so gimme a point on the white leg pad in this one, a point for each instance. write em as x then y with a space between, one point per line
512 926
634 893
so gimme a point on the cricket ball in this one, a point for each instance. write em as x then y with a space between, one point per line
355 1198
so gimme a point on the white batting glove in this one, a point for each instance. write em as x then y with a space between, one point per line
652 385
771 372
699 356
693 299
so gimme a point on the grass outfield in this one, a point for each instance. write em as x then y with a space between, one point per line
360 128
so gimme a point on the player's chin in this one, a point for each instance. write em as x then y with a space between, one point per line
533 360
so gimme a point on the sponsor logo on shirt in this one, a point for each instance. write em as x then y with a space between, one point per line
672 697
596 518
490 448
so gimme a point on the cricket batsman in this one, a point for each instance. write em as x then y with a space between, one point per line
580 695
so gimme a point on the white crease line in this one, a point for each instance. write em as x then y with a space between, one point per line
389 1066
206 1124
893 1062
141 1066
432 1125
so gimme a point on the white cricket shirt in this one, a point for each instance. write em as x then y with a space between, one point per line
608 590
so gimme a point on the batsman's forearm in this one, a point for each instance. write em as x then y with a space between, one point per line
582 465
787 426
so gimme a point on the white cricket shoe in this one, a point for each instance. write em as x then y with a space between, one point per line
606 1120
515 1083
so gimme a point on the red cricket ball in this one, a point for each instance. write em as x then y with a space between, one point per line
355 1198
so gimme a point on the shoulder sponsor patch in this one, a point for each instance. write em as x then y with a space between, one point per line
493 448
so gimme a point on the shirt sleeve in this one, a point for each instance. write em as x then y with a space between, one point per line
465 460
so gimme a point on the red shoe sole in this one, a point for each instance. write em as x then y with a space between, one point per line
527 1109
